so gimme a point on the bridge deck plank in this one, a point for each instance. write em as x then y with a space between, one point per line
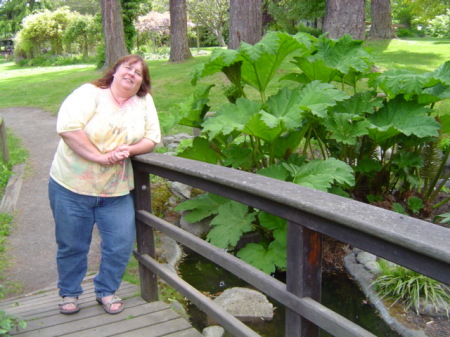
139 318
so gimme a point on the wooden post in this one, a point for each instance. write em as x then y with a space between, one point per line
304 275
3 142
145 236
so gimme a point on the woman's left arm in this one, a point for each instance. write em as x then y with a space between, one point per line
145 145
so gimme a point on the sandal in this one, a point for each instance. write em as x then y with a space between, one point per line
68 300
107 306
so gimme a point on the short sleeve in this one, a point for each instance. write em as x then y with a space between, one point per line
77 109
152 128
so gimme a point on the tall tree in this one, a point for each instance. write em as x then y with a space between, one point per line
345 17
381 13
245 22
113 31
179 47
213 14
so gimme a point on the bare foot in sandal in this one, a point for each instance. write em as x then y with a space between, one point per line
111 304
69 305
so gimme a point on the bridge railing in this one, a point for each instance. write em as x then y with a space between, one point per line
415 244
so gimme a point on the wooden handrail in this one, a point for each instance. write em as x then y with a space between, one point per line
416 244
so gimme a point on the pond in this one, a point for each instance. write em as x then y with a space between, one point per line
339 293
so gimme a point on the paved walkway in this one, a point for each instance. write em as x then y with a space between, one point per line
32 247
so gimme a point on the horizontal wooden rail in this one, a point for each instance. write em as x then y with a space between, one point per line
413 243
416 244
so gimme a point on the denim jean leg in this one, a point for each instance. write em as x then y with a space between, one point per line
116 224
74 220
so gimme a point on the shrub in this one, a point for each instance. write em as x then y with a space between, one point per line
440 26
409 287
403 32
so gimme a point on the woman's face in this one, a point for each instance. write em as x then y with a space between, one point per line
129 76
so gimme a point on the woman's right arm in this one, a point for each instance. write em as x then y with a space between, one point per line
79 142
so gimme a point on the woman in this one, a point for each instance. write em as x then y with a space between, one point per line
101 124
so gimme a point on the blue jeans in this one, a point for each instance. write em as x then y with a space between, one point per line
75 216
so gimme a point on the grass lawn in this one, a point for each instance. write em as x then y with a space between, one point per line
419 55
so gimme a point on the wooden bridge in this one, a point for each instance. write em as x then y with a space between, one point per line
140 318
415 244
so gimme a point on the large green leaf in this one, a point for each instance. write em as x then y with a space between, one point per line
238 156
406 117
399 81
232 220
262 60
219 59
264 258
275 171
194 109
344 54
445 122
201 207
317 97
283 110
360 104
200 150
230 117
435 94
257 126
321 174
271 221
344 129
442 73
313 70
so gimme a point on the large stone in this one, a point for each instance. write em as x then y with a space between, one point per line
181 190
246 304
214 331
197 228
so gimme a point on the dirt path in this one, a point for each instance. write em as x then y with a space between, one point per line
31 245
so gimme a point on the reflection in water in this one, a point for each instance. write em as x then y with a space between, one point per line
339 293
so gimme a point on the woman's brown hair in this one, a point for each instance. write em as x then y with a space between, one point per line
105 81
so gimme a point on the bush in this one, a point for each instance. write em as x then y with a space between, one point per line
403 32
440 26
302 28
409 287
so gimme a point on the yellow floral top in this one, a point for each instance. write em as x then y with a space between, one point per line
107 126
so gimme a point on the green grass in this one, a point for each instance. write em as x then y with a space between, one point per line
419 55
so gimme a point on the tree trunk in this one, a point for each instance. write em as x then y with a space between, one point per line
179 47
245 22
113 31
345 17
381 13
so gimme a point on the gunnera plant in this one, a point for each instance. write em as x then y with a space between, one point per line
410 288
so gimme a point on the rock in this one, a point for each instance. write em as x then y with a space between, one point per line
428 309
214 331
373 267
181 190
365 257
178 308
197 228
246 304
171 142
170 250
